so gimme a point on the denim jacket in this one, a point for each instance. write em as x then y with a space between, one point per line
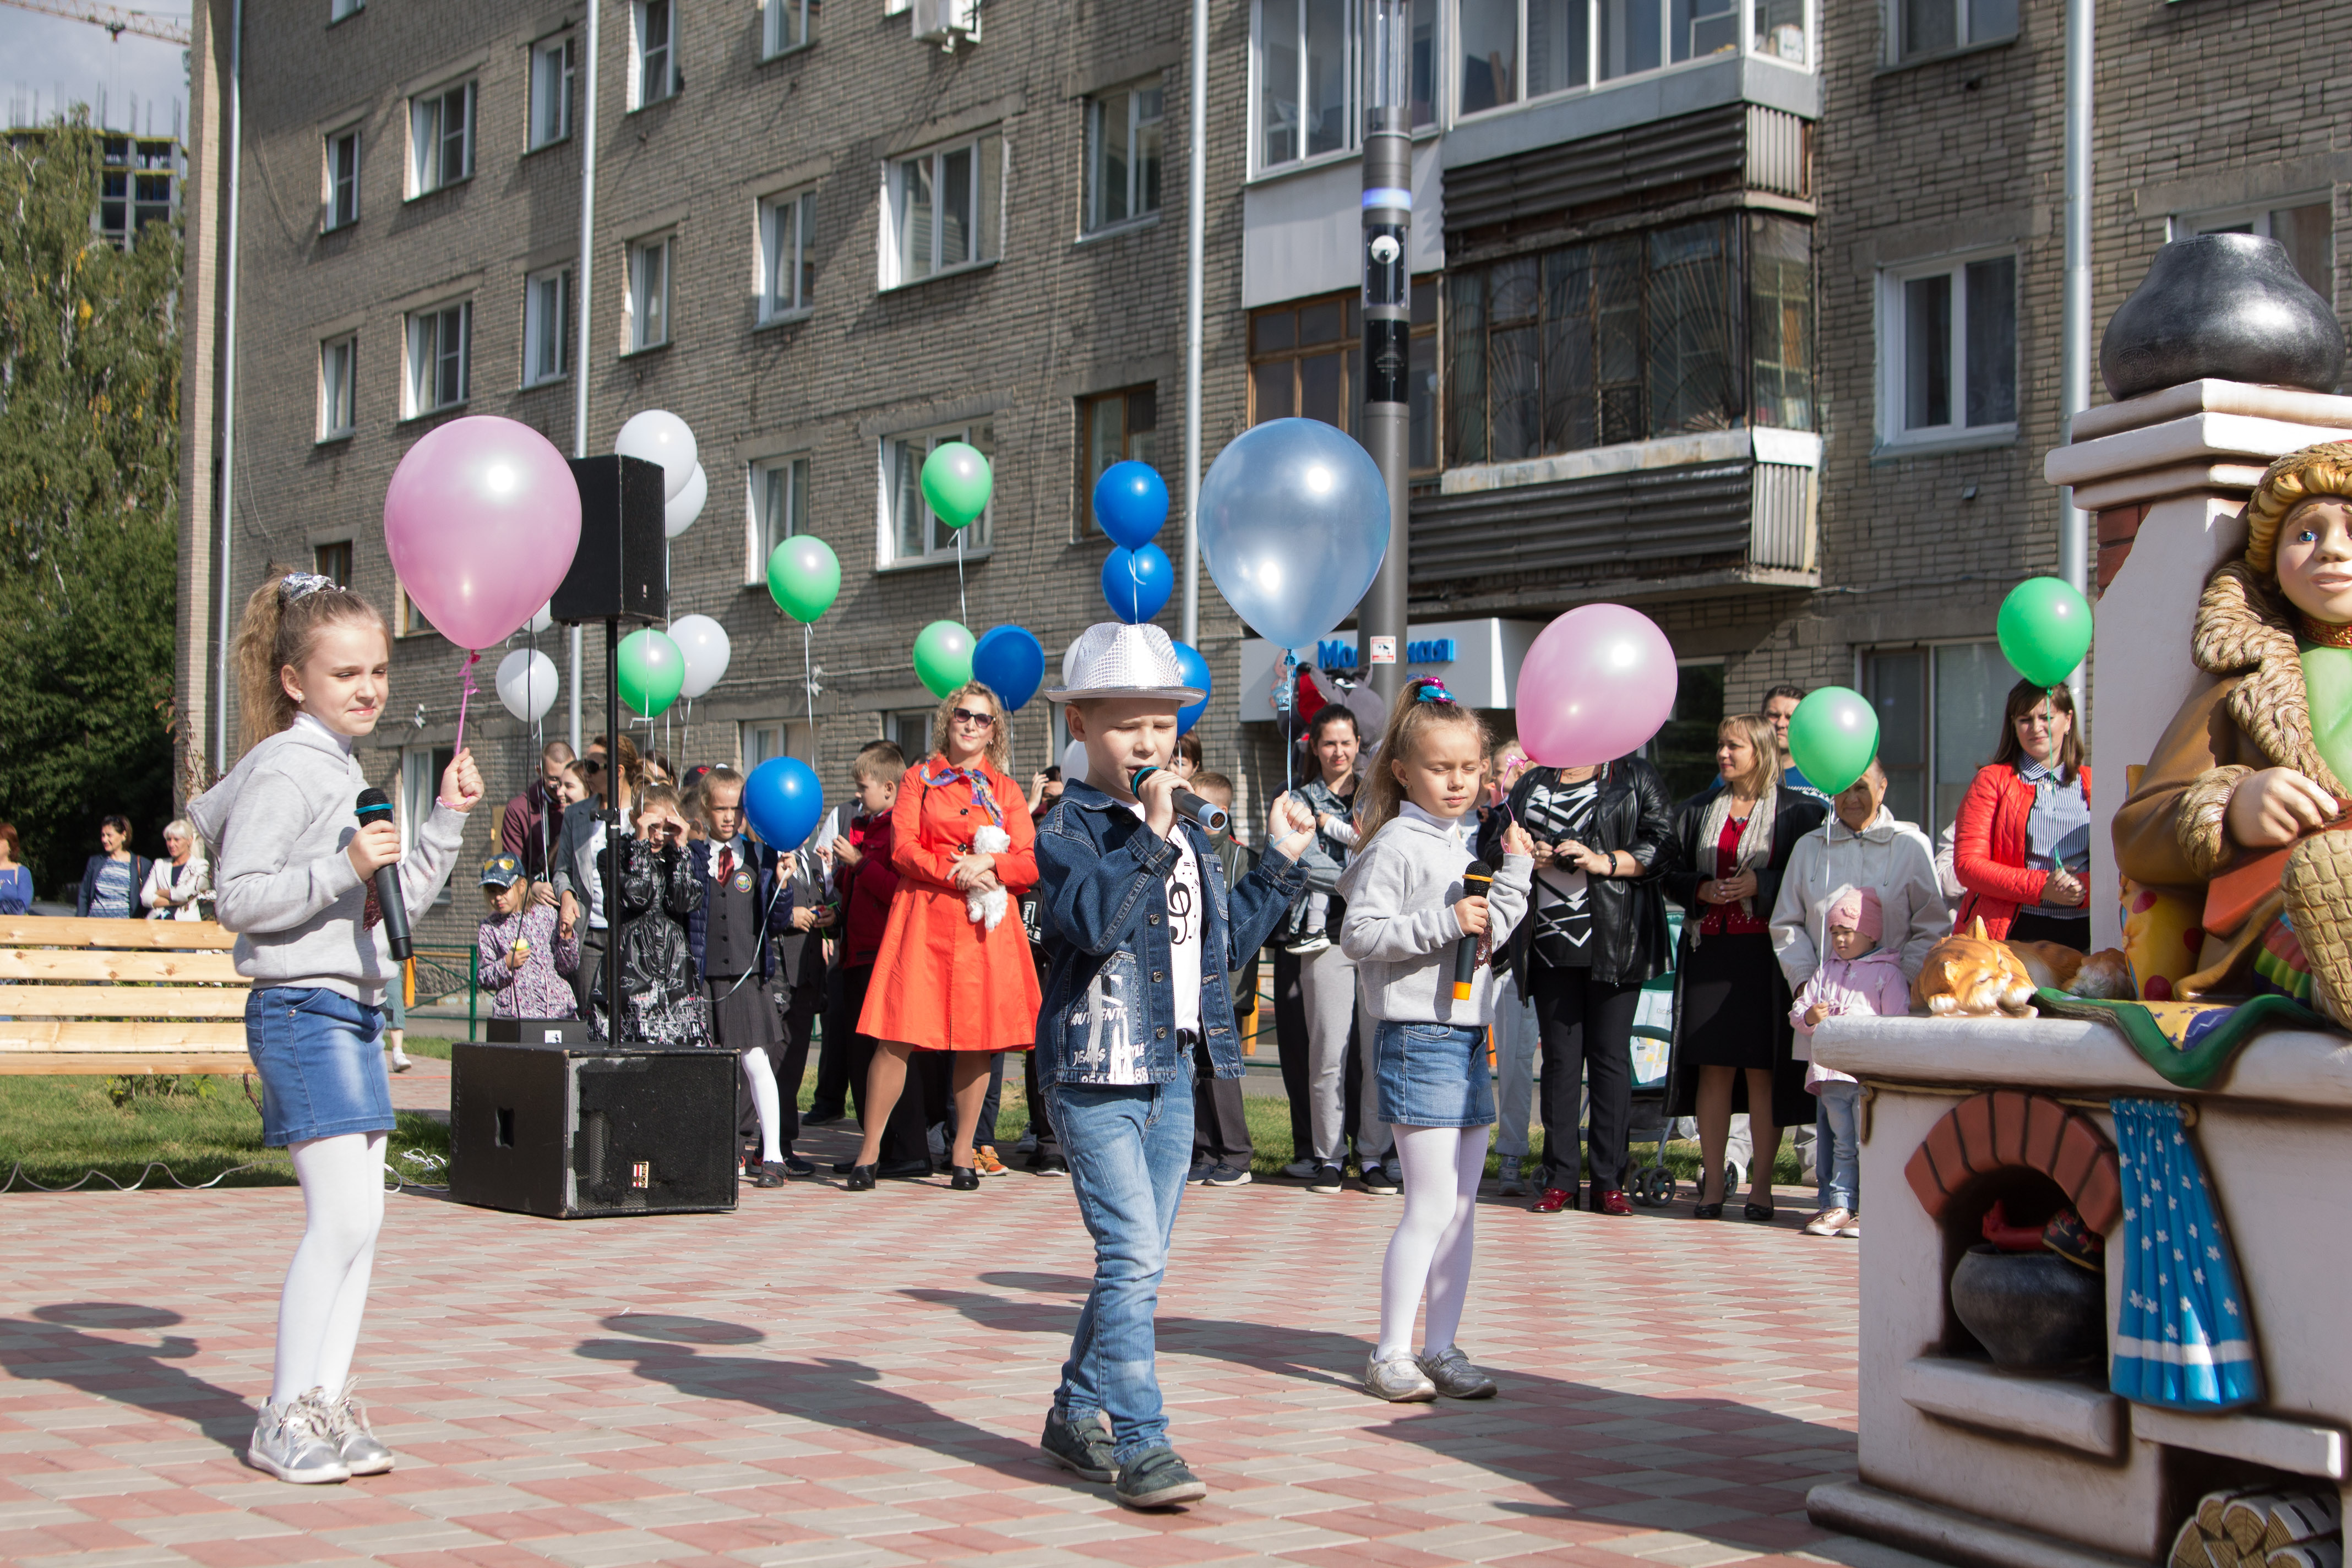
1102 886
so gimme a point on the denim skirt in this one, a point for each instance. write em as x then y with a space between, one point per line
320 1055
1435 1075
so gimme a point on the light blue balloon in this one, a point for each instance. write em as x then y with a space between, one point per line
1196 673
1293 523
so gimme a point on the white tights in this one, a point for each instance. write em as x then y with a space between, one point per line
761 1074
1441 1167
327 1284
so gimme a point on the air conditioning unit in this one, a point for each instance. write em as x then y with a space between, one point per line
947 22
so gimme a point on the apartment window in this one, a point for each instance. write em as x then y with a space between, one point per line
552 72
338 9
1923 27
407 619
2306 228
338 395
912 531
546 326
333 562
1948 348
441 138
1514 50
1116 427
1307 93
791 25
421 768
780 509
1939 714
653 40
1683 751
1123 144
763 739
648 325
910 730
787 257
342 202
439 355
940 209
1781 31
1307 360
1780 322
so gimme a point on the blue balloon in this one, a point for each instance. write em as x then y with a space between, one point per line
1132 502
1009 662
1196 673
1294 524
1138 583
783 802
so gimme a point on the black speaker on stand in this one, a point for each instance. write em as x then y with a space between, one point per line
621 573
578 1132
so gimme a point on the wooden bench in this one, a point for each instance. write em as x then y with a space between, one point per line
107 997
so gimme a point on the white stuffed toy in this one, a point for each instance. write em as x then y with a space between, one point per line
987 906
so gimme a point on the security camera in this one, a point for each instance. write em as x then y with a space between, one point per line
1385 248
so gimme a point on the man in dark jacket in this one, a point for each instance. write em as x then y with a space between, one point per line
533 818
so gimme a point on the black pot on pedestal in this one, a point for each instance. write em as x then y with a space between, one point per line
2229 306
2032 1312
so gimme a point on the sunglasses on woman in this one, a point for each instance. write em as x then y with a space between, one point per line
966 716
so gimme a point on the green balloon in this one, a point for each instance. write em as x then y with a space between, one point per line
1833 735
957 482
943 656
804 577
652 673
2045 629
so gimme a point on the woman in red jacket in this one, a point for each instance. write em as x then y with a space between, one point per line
2022 849
953 973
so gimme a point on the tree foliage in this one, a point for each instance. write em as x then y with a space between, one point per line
89 451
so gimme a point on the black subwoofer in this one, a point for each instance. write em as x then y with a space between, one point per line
618 573
574 1132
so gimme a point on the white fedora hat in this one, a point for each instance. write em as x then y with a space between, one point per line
1111 659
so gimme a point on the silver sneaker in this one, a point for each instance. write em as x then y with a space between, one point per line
1450 1374
290 1441
1399 1380
1512 1183
345 1420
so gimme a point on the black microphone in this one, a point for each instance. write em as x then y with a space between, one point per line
1476 878
375 807
1212 817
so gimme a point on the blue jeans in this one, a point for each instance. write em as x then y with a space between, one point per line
1837 1148
1129 1149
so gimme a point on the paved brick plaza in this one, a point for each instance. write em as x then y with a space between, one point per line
832 1378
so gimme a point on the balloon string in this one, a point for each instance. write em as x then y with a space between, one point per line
808 674
963 610
466 692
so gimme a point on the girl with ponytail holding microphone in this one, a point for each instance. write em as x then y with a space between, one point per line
296 879
1414 900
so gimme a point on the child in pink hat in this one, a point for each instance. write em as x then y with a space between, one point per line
1856 976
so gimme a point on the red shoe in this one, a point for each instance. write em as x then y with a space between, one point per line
1613 1201
1553 1200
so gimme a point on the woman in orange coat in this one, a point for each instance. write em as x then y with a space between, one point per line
962 843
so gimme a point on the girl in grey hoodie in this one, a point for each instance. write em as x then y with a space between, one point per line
294 882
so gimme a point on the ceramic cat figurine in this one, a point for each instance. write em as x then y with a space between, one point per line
1973 976
2106 973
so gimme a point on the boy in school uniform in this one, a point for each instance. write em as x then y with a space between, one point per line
1141 932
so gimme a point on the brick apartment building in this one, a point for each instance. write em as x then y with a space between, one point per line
1744 311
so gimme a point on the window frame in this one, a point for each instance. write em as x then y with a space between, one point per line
1351 108
1091 223
1752 23
801 206
420 787
773 17
794 737
2261 217
1893 356
567 87
1930 696
1894 27
332 217
334 560
760 535
1422 350
989 157
978 538
534 327
343 10
424 182
1126 399
330 398
641 51
635 311
407 620
413 388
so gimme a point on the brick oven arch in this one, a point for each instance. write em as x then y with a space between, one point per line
2005 1128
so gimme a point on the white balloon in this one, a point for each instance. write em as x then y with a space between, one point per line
660 437
528 684
704 643
679 515
1074 759
542 620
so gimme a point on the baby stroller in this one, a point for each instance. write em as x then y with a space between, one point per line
1653 1185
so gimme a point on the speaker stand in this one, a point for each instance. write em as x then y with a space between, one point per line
611 830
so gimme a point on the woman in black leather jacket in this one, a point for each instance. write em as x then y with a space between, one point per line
1596 931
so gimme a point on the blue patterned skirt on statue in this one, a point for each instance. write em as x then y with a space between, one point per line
2183 1342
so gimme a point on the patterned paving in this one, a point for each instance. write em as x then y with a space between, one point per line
830 1378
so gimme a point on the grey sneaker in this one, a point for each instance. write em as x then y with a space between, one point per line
1399 1380
1512 1185
346 1422
1300 1170
1081 1447
1157 1479
1450 1374
290 1441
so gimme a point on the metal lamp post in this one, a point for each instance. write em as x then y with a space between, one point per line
1388 312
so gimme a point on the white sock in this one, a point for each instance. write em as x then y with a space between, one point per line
1440 1169
760 1073
326 1289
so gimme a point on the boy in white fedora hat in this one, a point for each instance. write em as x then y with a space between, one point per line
1140 934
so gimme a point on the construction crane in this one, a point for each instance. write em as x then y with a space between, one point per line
115 21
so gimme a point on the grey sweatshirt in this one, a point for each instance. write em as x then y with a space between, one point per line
281 819
1401 928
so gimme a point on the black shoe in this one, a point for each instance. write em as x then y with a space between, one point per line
1326 1179
820 1119
1157 1479
772 1174
1044 1164
963 1178
1759 1213
1081 1447
796 1166
860 1180
1707 1211
1202 1166
903 1169
1378 1180
1226 1176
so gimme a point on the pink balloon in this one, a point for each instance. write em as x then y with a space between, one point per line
1597 683
481 520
